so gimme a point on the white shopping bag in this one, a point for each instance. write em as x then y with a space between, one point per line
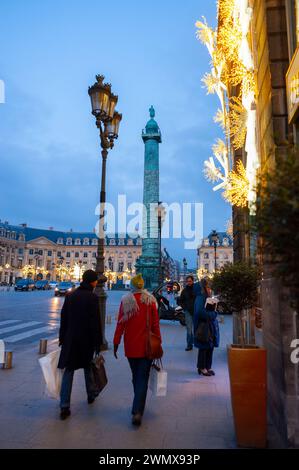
158 381
52 375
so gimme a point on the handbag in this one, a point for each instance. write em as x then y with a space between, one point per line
158 380
153 348
203 332
99 376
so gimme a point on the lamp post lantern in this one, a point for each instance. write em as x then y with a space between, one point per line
215 240
103 103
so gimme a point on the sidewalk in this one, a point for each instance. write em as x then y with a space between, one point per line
196 413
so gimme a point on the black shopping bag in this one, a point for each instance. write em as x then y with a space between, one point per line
99 374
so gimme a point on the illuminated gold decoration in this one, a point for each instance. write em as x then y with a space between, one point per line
238 186
232 65
237 122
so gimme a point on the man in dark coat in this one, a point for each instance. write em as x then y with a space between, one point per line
80 336
186 301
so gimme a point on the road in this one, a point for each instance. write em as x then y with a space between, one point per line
26 317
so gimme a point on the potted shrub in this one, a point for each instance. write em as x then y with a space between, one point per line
237 286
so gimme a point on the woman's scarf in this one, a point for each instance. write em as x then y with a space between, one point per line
130 305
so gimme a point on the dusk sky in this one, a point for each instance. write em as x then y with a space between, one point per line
50 51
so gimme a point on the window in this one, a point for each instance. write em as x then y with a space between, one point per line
68 254
77 254
94 255
206 255
110 264
206 267
59 254
85 254
94 241
60 241
86 241
20 251
225 241
130 266
112 241
120 266
21 237
31 251
121 241
206 242
50 253
77 241
69 241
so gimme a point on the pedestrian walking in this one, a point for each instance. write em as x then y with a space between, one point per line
186 301
137 316
80 337
206 331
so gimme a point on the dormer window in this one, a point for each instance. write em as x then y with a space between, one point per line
206 242
77 241
94 241
69 241
60 241
130 241
225 241
112 241
139 241
86 241
21 237
121 241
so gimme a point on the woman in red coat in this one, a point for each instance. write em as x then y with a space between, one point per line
135 308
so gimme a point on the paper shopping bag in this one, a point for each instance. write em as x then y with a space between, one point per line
158 381
52 375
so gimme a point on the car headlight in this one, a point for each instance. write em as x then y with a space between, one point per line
69 290
56 289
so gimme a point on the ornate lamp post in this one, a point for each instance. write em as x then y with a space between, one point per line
161 217
185 269
103 103
215 240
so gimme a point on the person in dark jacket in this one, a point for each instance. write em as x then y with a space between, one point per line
207 317
80 336
186 301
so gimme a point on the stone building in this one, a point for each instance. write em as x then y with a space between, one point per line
206 253
52 254
274 39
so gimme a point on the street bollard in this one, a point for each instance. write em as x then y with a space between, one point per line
43 344
8 360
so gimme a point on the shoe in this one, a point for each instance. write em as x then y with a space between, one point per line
90 400
65 413
206 374
189 348
136 419
211 372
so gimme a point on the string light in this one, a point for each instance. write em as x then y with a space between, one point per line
238 186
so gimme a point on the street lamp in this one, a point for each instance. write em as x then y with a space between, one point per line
161 212
103 103
185 268
215 240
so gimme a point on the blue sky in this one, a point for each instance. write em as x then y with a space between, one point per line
50 51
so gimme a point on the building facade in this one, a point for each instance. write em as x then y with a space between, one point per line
51 254
206 253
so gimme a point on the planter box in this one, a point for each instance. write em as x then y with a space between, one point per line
248 382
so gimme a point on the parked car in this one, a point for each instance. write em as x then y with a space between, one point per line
25 284
64 288
53 284
167 298
42 285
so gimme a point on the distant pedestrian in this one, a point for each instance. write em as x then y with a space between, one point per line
137 309
80 336
206 323
186 301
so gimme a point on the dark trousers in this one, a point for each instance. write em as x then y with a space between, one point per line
205 358
67 384
140 368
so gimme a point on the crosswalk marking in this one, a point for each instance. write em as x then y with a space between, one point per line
27 334
8 322
19 327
